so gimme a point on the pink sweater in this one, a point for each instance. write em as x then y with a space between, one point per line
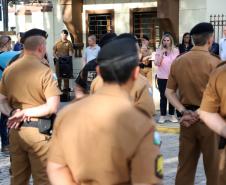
164 62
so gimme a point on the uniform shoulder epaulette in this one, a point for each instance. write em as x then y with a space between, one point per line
213 54
221 64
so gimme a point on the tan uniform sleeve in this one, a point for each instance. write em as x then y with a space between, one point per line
171 82
144 101
55 153
147 163
211 100
50 85
3 90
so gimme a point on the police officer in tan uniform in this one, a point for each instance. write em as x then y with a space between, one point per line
189 75
213 113
108 144
29 96
145 61
62 48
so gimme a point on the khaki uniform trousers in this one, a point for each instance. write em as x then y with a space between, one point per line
222 167
195 140
66 81
28 153
147 72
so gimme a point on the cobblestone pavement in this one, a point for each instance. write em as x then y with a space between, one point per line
169 149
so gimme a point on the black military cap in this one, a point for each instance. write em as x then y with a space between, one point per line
33 32
201 28
108 37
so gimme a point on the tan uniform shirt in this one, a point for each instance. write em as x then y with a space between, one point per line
108 144
190 73
214 97
141 94
28 83
62 49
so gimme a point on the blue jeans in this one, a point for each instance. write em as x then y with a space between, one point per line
4 130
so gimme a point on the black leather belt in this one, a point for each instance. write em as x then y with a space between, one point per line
30 124
191 107
44 125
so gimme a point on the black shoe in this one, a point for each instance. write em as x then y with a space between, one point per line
5 149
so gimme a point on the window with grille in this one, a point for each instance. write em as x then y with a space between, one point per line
146 23
100 24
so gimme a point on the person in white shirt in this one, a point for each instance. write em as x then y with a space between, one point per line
92 50
222 45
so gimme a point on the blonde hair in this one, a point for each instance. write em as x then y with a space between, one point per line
172 45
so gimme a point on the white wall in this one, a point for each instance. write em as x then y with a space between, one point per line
121 10
190 13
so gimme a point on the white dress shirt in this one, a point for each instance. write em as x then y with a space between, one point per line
222 49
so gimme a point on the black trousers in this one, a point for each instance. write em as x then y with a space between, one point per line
4 130
163 100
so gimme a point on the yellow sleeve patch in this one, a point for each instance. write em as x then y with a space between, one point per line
159 166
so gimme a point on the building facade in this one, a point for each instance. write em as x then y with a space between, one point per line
140 17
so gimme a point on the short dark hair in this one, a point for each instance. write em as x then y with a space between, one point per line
64 32
201 39
146 37
117 59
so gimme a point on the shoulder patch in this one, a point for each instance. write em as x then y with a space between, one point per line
150 91
157 138
159 166
54 76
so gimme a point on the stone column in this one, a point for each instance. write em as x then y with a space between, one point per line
72 18
168 13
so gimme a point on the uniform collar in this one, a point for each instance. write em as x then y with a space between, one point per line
198 48
113 90
31 57
63 41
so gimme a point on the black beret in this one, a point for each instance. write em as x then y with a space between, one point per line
201 28
108 37
33 32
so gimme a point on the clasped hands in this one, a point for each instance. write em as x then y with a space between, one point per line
189 118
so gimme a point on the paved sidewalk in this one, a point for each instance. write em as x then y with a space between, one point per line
167 127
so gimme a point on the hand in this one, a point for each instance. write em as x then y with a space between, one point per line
189 118
163 52
17 118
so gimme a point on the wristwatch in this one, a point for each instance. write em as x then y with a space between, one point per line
11 112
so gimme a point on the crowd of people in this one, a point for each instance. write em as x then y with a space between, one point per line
107 134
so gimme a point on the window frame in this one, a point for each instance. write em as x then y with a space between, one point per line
99 12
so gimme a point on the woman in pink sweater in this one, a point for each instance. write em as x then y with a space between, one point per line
164 57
